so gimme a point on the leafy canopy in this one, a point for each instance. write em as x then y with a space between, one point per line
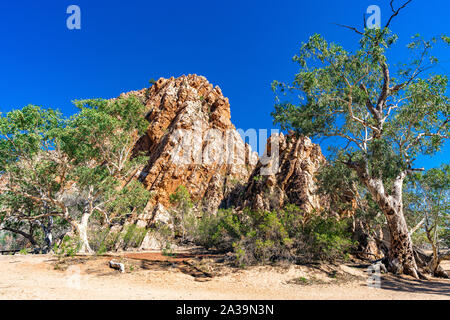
387 116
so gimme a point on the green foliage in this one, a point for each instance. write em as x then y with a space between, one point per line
168 250
257 178
427 197
263 237
184 219
386 118
103 239
340 184
68 247
91 154
181 199
129 200
216 230
26 132
328 238
133 236
104 129
29 161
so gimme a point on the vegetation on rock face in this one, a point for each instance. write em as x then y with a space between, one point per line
387 116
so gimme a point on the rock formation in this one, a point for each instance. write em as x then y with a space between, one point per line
285 175
191 142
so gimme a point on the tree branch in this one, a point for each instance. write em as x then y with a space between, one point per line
396 12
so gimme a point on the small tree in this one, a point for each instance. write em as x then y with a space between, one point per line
32 170
99 141
72 168
182 215
427 197
387 116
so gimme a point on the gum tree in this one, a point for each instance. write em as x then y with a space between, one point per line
427 199
31 168
72 168
386 116
99 142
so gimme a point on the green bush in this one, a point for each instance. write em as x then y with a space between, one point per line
269 236
327 238
216 231
261 236
133 236
184 218
103 239
68 247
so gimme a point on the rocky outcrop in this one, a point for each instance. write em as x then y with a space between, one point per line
285 175
190 141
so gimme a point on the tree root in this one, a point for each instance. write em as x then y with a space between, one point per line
424 269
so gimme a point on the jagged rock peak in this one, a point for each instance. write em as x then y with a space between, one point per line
285 175
191 142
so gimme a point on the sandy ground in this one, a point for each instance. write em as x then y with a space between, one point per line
152 276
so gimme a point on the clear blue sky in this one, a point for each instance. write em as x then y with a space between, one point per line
242 46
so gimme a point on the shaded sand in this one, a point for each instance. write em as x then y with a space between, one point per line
154 276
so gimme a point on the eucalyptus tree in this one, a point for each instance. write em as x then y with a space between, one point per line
427 198
100 140
72 168
386 116
17 216
32 170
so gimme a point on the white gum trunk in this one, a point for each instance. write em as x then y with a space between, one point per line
82 232
401 256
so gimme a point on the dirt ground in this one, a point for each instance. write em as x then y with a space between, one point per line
154 276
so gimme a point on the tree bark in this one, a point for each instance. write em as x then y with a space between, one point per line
82 233
27 236
47 234
401 255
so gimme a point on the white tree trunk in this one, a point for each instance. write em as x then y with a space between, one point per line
82 233
401 256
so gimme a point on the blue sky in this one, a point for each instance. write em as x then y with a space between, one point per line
242 46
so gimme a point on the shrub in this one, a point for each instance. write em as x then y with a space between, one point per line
327 238
103 239
262 238
68 247
269 236
182 215
133 236
216 230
